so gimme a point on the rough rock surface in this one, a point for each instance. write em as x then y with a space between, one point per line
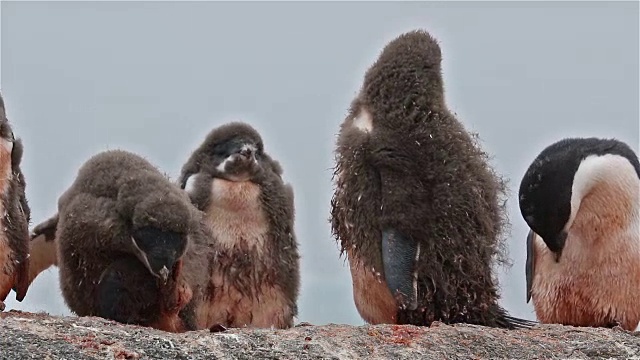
40 336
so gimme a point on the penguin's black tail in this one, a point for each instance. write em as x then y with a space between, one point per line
502 319
511 322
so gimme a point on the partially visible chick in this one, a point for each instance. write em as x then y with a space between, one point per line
14 237
255 277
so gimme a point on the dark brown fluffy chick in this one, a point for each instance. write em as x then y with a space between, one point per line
255 276
121 231
416 208
14 224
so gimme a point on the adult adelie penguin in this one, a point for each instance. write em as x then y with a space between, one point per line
416 205
14 238
255 278
121 231
580 198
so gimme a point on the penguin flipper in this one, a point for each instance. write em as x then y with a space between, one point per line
47 228
399 255
43 248
530 264
42 254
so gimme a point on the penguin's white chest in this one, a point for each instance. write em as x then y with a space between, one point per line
593 283
235 215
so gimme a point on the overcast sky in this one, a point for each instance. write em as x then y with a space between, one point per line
155 77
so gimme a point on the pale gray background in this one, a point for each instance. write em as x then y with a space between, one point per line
155 77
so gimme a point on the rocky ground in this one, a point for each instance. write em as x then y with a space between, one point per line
40 336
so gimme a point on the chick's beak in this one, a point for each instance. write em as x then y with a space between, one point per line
246 152
164 273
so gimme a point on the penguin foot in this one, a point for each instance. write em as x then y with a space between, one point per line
179 299
614 324
177 292
217 328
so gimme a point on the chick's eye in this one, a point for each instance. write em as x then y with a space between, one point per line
220 152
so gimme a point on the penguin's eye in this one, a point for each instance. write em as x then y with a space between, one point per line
220 151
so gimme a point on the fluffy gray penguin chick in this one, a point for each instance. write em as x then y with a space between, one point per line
255 277
121 233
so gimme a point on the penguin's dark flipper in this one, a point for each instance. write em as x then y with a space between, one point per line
399 255
42 253
22 280
47 228
529 267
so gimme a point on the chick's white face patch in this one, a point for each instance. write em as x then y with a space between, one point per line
364 121
222 167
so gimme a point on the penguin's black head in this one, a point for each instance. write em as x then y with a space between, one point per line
159 250
546 199
232 152
160 226
235 159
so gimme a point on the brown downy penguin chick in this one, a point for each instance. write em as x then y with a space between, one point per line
581 200
416 206
250 211
121 231
14 238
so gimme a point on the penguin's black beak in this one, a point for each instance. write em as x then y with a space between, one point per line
247 152
556 243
